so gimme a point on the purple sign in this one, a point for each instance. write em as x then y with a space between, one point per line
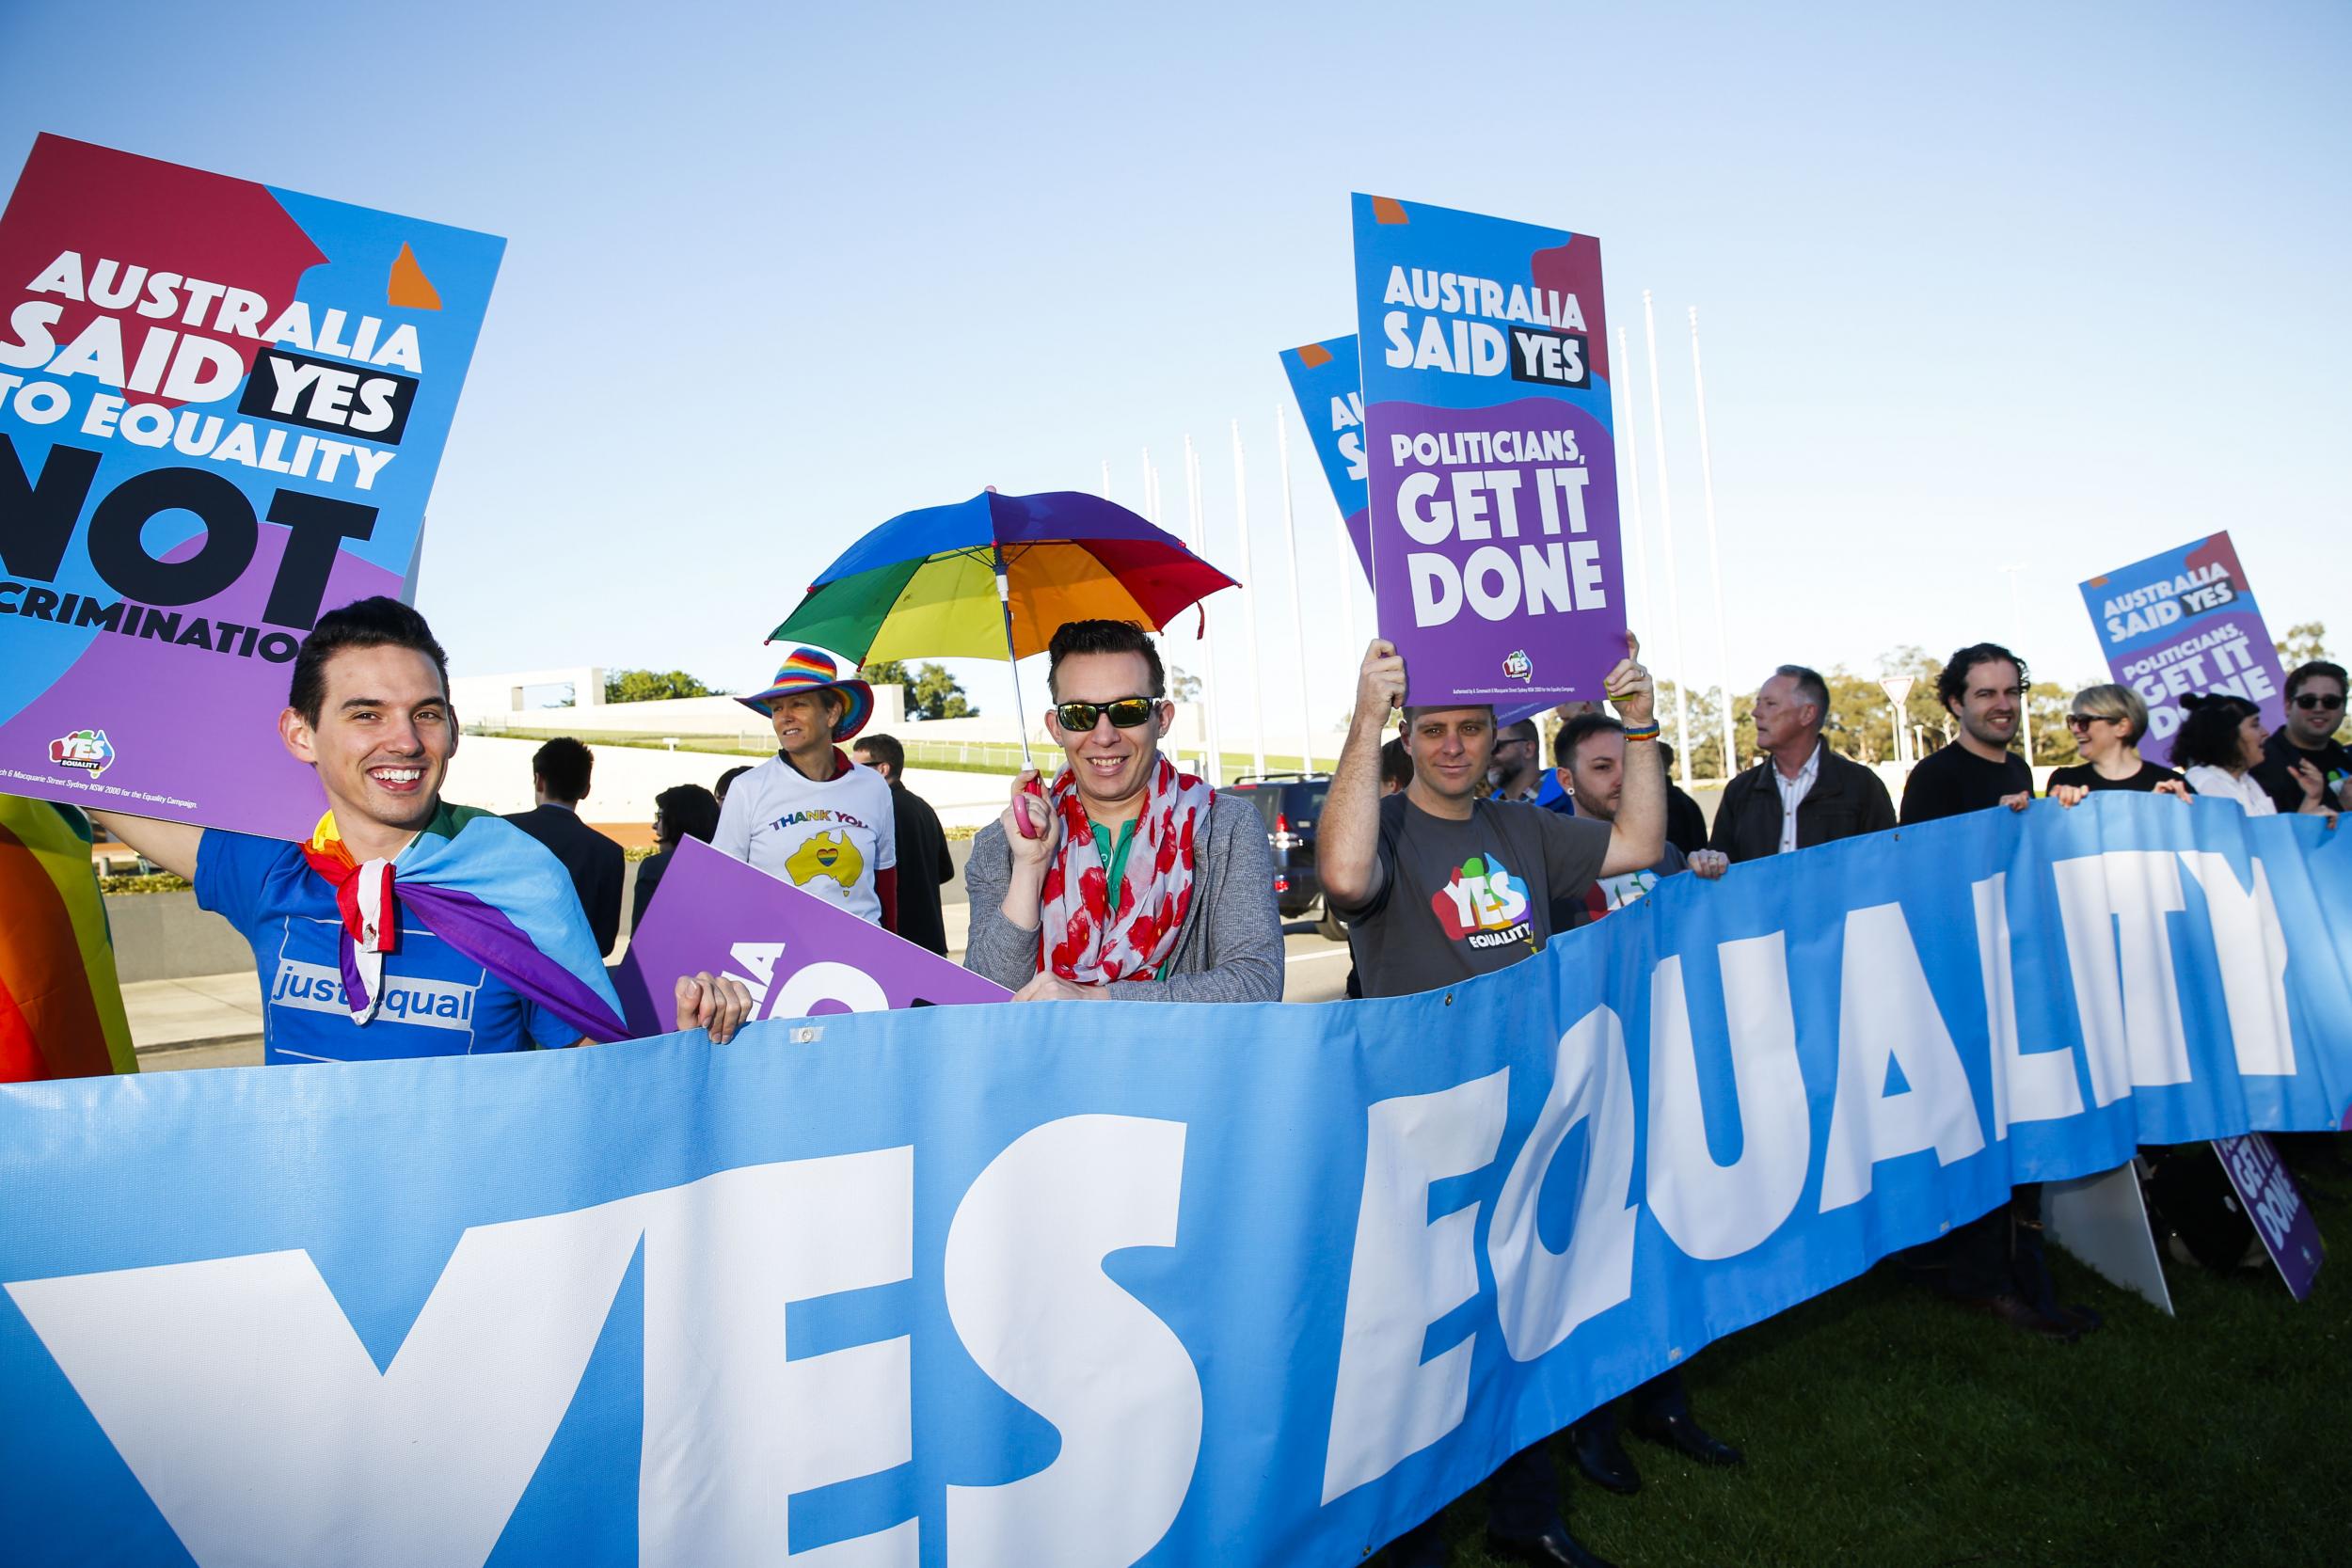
2276 1206
2186 621
1492 468
799 955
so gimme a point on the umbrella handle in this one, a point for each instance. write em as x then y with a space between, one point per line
1036 786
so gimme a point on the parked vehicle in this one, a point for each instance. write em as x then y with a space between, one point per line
1291 803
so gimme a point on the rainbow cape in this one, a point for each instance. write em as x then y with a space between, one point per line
490 891
60 1004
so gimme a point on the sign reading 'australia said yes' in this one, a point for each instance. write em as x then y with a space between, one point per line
1491 465
2182 621
221 408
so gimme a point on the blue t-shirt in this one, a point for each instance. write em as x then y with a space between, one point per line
437 1000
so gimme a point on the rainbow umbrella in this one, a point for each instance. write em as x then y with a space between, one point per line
993 575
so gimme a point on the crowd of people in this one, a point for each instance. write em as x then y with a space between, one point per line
1449 851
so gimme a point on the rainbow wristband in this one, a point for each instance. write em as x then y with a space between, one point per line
1645 731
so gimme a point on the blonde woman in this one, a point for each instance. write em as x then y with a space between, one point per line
2109 722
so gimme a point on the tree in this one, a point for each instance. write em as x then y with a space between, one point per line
933 692
2303 643
884 672
652 686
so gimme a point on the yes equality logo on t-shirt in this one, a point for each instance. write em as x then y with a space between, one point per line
1483 903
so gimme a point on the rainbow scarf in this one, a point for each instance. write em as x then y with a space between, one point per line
60 1006
490 891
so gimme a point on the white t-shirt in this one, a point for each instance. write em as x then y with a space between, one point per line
2215 783
828 838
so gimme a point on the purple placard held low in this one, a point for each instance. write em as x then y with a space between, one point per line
2275 1204
799 955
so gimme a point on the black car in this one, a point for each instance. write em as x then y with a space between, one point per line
1290 803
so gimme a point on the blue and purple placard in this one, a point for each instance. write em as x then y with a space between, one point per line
221 408
2186 621
1326 379
2275 1204
798 955
1492 467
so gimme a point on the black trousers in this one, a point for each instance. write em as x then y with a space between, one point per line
1995 1254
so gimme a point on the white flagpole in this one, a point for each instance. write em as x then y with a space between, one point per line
1629 444
1666 537
1107 478
1248 603
1144 505
1212 766
1298 621
1714 555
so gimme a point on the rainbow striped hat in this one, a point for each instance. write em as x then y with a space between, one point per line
810 670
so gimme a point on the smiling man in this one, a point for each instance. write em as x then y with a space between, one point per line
809 815
1438 886
1137 882
405 926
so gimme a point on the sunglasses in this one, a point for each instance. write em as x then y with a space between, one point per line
2311 700
2080 723
1126 712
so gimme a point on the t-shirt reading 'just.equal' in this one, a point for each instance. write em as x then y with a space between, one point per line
1462 898
437 1000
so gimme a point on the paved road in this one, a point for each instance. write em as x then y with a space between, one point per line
1316 970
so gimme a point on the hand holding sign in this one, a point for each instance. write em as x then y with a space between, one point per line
1629 686
1380 683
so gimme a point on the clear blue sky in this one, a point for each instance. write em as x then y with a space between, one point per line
2052 286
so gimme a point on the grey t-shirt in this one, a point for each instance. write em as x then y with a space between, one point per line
1469 897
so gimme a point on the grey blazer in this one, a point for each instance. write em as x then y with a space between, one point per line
1230 948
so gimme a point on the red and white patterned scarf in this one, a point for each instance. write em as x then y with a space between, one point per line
1083 942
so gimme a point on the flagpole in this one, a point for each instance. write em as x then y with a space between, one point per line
1714 554
1249 603
1214 763
1298 621
1629 443
1666 539
1107 478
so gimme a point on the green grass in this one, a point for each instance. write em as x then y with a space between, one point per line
1884 1426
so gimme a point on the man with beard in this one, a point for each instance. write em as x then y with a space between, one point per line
1134 882
1995 1264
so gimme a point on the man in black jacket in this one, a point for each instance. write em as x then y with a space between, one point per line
559 777
924 864
1802 793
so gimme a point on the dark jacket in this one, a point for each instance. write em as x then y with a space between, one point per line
1844 802
593 860
924 864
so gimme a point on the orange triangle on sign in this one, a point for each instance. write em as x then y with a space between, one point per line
1314 355
410 289
1388 209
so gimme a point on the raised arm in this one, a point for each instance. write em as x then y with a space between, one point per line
1638 838
1347 849
169 845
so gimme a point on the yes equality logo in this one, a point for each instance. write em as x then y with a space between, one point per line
88 750
1482 904
1516 666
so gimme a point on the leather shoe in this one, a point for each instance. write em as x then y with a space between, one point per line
1554 1547
1603 1460
1685 1437
2019 1313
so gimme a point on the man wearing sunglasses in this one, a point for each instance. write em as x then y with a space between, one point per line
1134 882
2314 712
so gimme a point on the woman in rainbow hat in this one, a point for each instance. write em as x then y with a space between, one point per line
808 815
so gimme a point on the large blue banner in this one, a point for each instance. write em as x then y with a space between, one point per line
979 1286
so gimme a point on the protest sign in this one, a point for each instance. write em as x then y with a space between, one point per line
1491 469
2181 622
221 406
1328 381
797 955
2266 1191
1174 1285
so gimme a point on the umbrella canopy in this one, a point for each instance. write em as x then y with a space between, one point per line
923 585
